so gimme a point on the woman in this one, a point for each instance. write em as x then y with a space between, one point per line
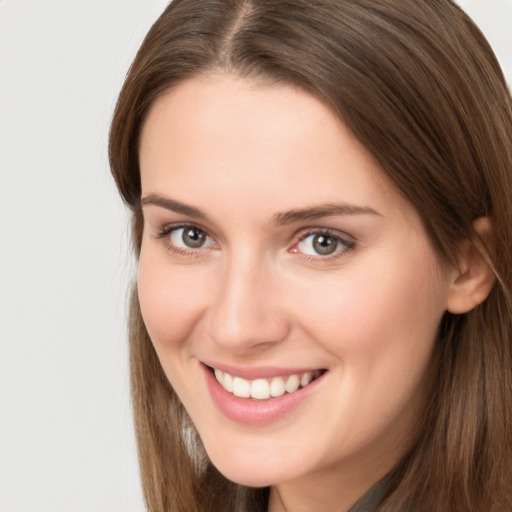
320 204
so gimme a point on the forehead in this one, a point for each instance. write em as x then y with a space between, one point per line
228 136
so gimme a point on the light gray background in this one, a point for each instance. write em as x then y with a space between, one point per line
66 439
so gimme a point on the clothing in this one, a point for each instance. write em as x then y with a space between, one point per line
368 501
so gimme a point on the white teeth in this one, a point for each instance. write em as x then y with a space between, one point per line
306 379
263 389
277 387
227 383
241 387
292 383
260 389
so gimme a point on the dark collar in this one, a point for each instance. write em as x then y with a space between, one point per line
368 501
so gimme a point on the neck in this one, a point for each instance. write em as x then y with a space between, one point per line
323 492
340 485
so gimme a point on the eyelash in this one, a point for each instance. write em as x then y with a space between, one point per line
347 243
344 244
167 230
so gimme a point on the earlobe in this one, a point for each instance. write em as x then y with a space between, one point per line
475 278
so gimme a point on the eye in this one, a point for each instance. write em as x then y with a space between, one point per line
187 237
322 244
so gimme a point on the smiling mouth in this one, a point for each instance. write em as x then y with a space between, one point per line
264 389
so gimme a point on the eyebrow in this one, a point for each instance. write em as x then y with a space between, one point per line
279 219
173 205
324 210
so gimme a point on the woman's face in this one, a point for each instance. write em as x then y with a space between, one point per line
277 255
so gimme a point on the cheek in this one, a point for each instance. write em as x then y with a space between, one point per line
380 328
387 312
171 299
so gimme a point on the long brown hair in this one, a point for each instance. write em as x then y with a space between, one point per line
419 86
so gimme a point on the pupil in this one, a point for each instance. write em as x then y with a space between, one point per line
325 244
193 237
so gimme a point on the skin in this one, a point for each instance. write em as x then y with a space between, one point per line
256 294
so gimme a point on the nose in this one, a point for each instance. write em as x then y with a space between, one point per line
247 313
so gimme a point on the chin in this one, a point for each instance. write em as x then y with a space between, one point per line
244 470
248 476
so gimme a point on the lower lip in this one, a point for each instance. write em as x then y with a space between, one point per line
256 412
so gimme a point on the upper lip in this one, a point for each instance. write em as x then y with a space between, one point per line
259 372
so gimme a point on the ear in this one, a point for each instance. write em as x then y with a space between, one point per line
474 279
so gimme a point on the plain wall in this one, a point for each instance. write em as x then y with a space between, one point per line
66 438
